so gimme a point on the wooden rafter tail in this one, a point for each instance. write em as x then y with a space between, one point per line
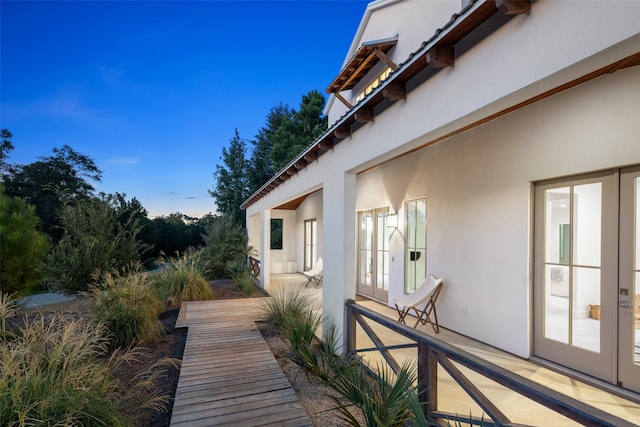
513 7
440 57
342 132
364 115
395 92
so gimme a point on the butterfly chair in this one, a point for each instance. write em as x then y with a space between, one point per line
422 302
314 276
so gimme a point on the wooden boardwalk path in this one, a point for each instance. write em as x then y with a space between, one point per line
229 375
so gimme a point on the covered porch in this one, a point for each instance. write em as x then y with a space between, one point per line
613 406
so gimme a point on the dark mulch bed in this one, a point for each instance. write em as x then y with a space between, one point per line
312 394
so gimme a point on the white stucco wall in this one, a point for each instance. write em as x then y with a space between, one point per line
479 185
284 260
409 20
311 208
479 182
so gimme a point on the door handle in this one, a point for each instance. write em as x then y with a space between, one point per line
624 304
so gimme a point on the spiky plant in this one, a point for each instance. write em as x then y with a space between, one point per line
300 329
382 397
239 272
284 304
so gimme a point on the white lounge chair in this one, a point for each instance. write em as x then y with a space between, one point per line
314 276
422 301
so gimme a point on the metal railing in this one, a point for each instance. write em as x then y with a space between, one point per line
433 352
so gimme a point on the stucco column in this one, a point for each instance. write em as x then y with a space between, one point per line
339 254
265 248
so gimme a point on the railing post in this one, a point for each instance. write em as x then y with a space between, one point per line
350 334
427 380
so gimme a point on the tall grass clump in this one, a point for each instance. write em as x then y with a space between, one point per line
52 375
8 308
284 305
182 279
239 272
128 306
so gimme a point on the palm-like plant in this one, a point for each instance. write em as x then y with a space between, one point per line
382 397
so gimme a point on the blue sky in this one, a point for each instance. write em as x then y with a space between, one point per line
152 90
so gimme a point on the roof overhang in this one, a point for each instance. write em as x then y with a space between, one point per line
431 55
368 55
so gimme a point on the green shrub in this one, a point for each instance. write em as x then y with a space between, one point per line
22 247
182 279
239 272
225 242
94 241
128 306
52 374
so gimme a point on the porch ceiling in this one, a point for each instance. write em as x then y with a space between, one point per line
292 205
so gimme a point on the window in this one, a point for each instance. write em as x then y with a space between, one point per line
310 243
276 233
415 244
374 84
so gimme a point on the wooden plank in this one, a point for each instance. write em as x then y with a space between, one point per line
229 375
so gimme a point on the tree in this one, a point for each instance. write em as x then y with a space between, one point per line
231 186
260 168
176 233
51 181
226 243
22 247
95 241
5 146
299 130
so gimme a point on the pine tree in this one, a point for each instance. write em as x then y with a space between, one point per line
231 186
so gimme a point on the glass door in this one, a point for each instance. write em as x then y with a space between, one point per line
310 243
415 244
629 286
576 274
373 254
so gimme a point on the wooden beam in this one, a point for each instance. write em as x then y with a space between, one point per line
300 164
440 57
383 57
364 115
395 92
284 177
344 101
357 71
514 7
292 171
325 145
342 132
311 156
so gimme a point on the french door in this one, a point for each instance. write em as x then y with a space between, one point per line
629 289
310 243
373 254
585 273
